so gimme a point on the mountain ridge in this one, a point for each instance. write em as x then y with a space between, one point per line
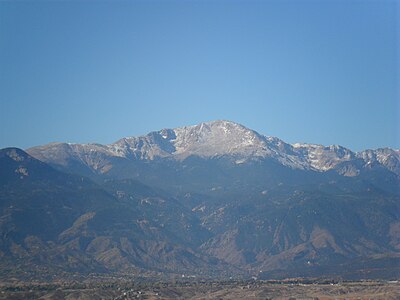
169 202
218 138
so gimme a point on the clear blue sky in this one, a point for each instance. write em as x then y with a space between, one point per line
94 71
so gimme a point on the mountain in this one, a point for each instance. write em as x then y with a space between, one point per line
211 140
53 222
215 199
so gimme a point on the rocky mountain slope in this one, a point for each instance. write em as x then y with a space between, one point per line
210 140
55 222
214 199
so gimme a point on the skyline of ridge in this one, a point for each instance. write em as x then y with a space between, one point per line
323 72
199 124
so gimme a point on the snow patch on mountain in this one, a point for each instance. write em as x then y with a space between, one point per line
323 158
215 139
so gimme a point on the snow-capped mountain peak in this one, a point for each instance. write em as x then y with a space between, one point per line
216 139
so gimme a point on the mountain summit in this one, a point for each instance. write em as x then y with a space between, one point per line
205 139
215 139
214 198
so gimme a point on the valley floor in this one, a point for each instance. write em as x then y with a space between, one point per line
205 290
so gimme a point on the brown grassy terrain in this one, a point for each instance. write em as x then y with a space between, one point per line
205 290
